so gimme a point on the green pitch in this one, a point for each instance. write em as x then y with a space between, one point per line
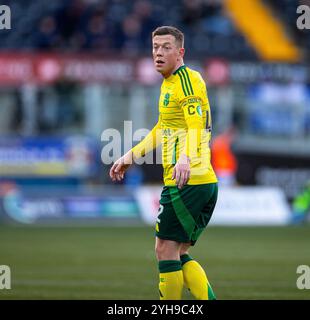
119 263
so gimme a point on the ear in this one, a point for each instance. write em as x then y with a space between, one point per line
181 52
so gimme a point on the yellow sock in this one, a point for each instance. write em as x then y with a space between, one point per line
170 280
195 279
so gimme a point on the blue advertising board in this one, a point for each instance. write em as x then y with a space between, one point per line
71 205
74 156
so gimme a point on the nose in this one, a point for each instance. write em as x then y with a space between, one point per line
159 52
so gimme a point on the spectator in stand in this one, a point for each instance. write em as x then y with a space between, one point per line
130 35
215 20
98 34
192 12
70 21
47 37
143 10
205 18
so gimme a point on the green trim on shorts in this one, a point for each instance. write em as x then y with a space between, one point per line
181 211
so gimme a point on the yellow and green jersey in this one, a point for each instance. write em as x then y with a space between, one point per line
184 126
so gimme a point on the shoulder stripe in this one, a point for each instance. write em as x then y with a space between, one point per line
182 82
189 81
186 81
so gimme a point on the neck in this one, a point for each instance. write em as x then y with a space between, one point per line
176 67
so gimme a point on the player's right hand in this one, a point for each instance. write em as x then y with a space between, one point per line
181 171
120 166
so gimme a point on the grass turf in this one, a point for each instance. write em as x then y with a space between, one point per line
119 263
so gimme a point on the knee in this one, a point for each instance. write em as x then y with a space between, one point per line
166 250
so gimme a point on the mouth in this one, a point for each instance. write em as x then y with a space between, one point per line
159 63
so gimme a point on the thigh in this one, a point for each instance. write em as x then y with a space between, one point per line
180 211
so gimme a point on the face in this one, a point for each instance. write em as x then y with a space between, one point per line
167 55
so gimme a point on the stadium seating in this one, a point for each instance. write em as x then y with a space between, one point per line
125 26
117 26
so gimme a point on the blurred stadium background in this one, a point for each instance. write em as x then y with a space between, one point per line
69 69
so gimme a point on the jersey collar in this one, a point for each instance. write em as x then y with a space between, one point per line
180 68
172 76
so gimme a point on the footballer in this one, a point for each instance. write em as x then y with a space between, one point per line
190 187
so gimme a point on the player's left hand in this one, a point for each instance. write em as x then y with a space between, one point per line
181 171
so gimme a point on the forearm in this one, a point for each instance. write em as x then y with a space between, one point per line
150 142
